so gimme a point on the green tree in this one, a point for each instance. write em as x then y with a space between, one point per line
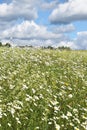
64 48
8 45
0 43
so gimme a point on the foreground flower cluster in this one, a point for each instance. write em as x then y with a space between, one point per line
43 89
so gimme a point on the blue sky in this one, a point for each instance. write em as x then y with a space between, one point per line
44 22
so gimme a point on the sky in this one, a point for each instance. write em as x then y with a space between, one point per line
44 23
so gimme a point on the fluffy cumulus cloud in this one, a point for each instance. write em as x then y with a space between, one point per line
49 5
18 9
64 28
29 30
72 10
26 31
70 44
18 26
30 33
81 40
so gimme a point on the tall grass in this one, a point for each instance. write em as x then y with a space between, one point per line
43 89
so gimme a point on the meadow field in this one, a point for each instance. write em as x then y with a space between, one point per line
43 89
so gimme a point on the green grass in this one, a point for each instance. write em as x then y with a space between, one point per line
43 89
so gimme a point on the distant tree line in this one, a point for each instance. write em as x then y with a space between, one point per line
48 47
43 47
5 45
59 48
64 48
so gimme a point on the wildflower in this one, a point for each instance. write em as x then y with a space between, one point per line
9 124
36 98
64 117
49 123
71 124
76 119
37 128
25 87
0 88
33 90
56 108
35 104
18 121
47 63
11 86
54 103
12 111
17 107
5 114
69 114
70 95
75 110
77 128
28 98
0 113
57 127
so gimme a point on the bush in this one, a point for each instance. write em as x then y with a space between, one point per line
64 48
8 45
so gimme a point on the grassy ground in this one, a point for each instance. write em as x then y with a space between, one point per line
43 89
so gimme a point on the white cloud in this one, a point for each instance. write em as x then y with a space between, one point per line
17 21
70 44
64 28
46 42
73 10
29 30
81 40
33 42
18 9
28 33
49 5
4 25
